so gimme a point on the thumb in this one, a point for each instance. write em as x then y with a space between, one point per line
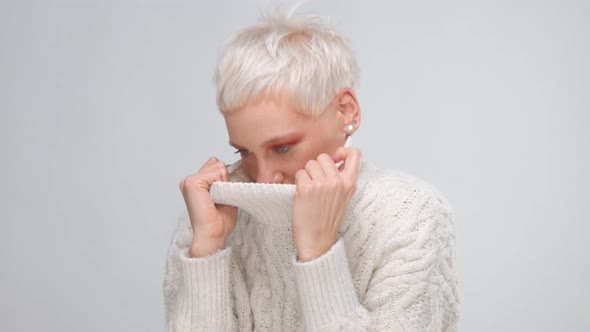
351 158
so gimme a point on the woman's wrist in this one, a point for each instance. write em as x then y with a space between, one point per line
311 252
203 247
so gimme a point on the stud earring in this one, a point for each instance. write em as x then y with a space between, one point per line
351 126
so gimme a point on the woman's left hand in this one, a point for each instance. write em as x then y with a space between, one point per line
321 200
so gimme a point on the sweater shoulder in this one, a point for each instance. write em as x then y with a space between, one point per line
393 204
403 187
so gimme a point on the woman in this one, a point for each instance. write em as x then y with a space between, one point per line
300 234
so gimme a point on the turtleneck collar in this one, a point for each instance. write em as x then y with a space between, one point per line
268 203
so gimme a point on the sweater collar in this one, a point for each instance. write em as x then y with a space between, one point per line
268 203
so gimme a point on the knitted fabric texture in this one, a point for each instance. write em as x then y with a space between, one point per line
392 268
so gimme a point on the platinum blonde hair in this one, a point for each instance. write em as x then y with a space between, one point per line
297 54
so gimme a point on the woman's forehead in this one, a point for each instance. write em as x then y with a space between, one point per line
269 119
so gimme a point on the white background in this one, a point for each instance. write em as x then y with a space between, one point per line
106 105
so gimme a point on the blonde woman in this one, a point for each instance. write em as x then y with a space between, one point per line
301 233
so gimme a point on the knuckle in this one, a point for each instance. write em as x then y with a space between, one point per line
222 171
209 162
332 184
188 181
305 188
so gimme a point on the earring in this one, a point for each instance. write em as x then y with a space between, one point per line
351 126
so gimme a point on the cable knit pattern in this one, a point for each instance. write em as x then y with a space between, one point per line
392 268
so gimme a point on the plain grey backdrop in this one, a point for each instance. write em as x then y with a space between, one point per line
106 105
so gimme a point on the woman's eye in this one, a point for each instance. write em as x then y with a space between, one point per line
243 152
281 149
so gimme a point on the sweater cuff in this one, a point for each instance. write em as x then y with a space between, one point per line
326 291
204 292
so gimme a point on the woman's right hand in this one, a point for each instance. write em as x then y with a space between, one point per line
212 223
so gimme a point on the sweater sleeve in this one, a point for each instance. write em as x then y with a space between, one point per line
412 287
197 290
204 302
327 294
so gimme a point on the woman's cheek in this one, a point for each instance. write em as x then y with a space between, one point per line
251 167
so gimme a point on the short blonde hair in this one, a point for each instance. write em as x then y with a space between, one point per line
297 54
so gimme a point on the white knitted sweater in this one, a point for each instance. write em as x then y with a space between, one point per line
392 268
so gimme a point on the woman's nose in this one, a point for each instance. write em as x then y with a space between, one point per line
269 175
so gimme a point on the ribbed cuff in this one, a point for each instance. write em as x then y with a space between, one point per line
204 293
326 291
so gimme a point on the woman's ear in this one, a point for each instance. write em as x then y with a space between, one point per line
350 110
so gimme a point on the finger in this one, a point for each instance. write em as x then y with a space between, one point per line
302 179
210 176
352 161
205 178
218 171
209 162
329 168
182 183
224 173
341 154
352 164
314 170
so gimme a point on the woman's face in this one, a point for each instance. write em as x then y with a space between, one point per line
275 141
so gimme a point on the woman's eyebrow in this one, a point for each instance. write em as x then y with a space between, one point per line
279 139
282 139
